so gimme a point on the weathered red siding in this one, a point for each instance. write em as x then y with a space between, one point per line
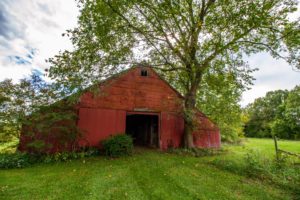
103 113
133 92
172 129
98 124
207 134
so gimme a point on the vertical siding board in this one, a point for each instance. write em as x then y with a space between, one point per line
208 134
172 130
99 124
131 91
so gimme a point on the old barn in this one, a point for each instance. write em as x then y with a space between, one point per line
140 103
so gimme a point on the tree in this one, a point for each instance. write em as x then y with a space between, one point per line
186 37
219 99
18 100
278 113
36 108
263 112
292 112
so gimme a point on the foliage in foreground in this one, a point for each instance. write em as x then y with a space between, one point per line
21 160
283 172
118 145
278 113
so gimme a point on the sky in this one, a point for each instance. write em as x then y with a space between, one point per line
31 32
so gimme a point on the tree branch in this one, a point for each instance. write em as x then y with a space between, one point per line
138 30
265 45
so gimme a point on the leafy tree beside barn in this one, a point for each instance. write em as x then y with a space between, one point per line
199 46
183 39
35 103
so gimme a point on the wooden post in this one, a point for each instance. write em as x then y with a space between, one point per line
276 147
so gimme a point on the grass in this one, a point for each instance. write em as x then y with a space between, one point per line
149 174
266 146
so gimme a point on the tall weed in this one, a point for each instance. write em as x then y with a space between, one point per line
254 164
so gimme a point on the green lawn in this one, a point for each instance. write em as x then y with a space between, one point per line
149 174
266 146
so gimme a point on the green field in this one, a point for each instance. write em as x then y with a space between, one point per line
149 174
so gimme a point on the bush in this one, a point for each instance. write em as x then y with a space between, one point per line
255 164
118 145
282 172
15 160
21 160
37 146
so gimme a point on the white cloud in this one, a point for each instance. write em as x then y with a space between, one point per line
33 25
272 75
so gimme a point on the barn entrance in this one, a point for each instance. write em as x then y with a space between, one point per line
143 129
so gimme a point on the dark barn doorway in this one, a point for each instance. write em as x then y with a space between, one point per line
143 129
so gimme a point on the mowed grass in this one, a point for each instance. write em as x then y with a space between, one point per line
149 174
265 146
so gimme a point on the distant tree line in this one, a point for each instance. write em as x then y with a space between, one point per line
278 113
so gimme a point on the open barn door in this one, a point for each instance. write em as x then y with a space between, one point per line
144 129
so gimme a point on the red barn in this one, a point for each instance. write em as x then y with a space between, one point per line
140 103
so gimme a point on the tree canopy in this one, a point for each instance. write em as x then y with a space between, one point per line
36 108
278 113
184 39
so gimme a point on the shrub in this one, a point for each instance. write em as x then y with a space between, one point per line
15 160
37 146
255 165
282 172
20 160
118 145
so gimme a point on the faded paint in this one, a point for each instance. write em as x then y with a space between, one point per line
132 92
207 134
172 129
103 114
98 124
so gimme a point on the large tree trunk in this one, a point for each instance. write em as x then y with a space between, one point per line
190 105
188 135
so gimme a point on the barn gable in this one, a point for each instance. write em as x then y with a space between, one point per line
135 91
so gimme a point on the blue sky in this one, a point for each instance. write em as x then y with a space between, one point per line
30 32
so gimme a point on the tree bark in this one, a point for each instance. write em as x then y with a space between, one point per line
190 105
188 135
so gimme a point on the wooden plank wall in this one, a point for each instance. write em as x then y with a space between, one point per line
131 91
172 129
98 124
207 134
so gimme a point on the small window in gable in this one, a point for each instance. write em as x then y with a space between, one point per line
144 72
